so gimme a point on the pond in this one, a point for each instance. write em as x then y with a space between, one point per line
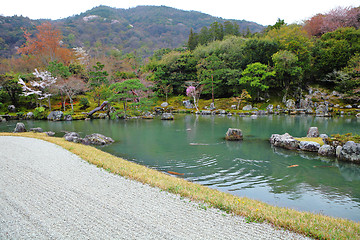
195 146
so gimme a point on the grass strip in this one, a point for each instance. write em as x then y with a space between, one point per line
313 225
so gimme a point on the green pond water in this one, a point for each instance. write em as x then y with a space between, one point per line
195 146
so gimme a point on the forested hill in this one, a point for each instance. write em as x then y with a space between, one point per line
143 28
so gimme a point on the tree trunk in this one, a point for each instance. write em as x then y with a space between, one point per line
49 103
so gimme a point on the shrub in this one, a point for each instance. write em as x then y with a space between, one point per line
84 103
39 113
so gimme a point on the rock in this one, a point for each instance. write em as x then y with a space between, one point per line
71 136
336 106
55 115
188 104
270 108
234 134
212 106
338 151
284 141
358 115
322 111
12 108
205 112
164 104
309 110
167 116
30 115
348 106
2 119
223 112
38 130
158 110
304 103
20 127
335 93
290 104
326 150
102 115
97 139
350 152
50 133
229 114
312 132
309 146
247 108
68 118
254 116
233 107
148 115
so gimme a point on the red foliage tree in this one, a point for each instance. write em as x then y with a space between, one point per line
45 46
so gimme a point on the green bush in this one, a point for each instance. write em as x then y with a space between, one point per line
39 113
84 103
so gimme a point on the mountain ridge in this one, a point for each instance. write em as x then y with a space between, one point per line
142 28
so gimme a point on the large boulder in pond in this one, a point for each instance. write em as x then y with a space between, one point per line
97 139
37 130
55 116
309 146
167 116
72 137
20 127
234 134
350 152
284 141
327 150
312 132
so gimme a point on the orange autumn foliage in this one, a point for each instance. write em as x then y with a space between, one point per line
45 46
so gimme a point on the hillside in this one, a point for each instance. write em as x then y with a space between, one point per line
143 28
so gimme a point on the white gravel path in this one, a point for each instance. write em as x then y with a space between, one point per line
46 192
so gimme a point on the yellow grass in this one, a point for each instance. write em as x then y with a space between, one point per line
313 225
314 139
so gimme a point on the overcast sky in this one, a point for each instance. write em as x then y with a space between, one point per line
265 12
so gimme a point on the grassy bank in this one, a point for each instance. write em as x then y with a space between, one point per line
313 225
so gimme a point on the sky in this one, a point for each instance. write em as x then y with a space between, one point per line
265 12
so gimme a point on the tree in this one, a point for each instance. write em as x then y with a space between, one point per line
216 31
45 46
97 78
334 49
339 17
125 91
194 93
288 73
193 40
9 83
255 78
41 87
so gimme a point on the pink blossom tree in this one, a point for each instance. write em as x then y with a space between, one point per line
194 92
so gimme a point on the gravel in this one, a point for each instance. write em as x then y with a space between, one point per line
46 192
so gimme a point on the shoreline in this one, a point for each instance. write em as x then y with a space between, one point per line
313 225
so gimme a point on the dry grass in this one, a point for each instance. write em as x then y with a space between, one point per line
314 139
313 225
